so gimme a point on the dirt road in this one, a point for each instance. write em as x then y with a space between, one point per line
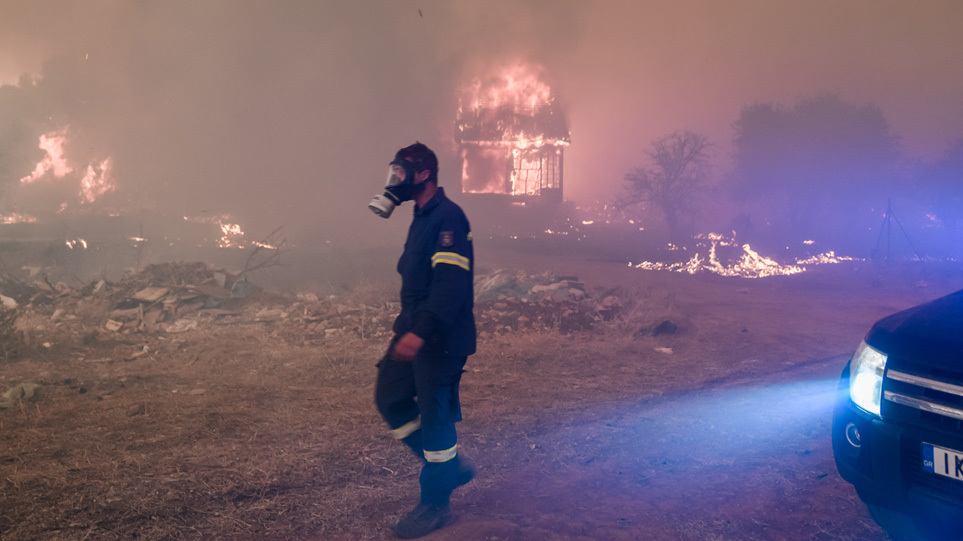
740 459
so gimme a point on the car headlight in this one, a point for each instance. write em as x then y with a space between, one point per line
866 378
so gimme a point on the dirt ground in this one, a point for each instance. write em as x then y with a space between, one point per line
254 427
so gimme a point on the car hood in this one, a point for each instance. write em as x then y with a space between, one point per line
931 333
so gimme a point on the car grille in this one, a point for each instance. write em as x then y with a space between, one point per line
930 398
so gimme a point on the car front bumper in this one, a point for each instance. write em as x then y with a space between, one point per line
884 463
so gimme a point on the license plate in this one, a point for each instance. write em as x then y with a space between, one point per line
942 461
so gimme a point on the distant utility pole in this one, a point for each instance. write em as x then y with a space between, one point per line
887 227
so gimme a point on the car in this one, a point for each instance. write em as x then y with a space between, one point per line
898 419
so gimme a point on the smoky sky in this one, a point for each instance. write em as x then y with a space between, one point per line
286 113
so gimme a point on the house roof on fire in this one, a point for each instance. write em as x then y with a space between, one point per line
508 123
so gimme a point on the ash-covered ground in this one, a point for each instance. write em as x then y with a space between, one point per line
182 399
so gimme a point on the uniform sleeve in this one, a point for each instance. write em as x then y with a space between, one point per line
451 277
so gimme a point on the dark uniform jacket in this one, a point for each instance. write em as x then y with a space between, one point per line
437 285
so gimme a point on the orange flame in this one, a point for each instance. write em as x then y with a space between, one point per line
53 161
750 265
97 181
508 128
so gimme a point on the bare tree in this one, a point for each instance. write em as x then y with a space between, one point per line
674 180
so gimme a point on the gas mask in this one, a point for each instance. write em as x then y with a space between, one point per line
401 187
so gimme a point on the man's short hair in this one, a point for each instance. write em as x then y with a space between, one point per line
422 158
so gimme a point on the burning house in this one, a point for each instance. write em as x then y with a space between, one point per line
512 134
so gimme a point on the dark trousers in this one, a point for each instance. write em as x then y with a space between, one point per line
419 401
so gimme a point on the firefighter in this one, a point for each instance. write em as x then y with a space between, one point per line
418 378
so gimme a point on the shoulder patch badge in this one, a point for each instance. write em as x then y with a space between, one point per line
446 238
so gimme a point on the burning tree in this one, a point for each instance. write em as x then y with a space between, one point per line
675 179
511 134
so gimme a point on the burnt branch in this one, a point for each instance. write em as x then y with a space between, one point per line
266 253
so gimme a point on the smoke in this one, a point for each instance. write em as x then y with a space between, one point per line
287 113
273 113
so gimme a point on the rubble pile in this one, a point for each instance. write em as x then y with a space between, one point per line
173 297
508 301
178 297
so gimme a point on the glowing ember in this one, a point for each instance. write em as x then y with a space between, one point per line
17 218
78 242
53 161
829 257
511 135
231 233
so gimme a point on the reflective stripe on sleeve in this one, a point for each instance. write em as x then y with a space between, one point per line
452 259
406 429
441 456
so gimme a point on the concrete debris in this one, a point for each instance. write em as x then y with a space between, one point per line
113 325
151 294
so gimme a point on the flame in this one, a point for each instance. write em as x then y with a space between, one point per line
510 131
515 85
231 233
76 242
824 258
53 161
750 264
97 181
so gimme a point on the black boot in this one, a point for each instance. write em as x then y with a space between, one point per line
465 473
423 520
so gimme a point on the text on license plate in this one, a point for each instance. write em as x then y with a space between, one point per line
942 461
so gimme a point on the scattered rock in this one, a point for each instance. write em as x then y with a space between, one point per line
138 409
113 325
182 325
307 297
666 327
24 392
242 288
270 313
